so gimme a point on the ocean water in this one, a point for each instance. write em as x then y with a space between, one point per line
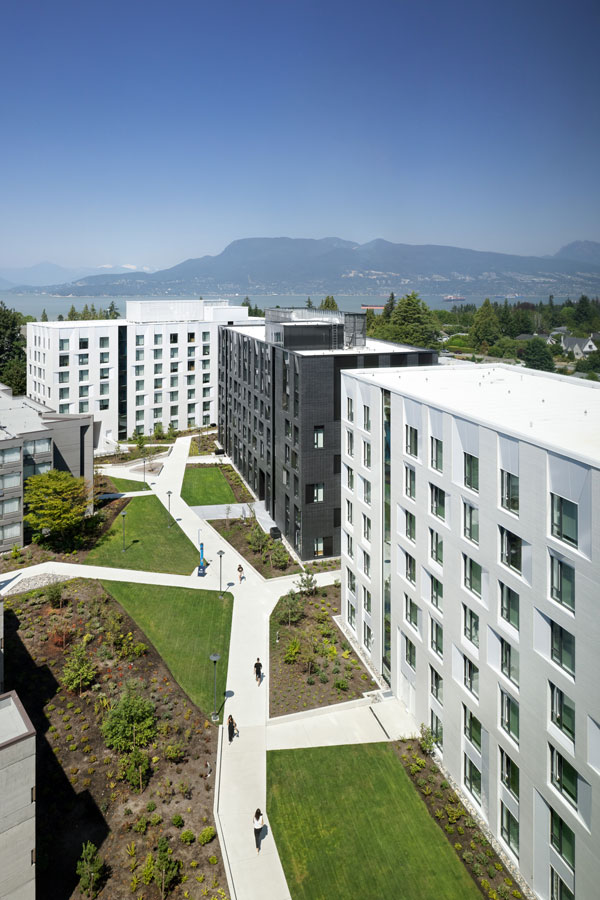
33 304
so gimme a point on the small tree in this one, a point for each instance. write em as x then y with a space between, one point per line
171 433
57 504
279 555
138 771
166 869
257 539
131 723
54 594
79 671
537 355
290 609
306 584
90 869
158 431
140 441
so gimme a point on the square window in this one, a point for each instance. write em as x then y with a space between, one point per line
158 339
84 343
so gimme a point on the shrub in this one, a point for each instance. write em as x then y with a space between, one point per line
426 741
151 806
177 821
310 680
141 826
206 835
131 723
166 869
155 819
187 836
212 860
292 651
137 771
341 684
79 671
53 593
148 870
90 869
323 678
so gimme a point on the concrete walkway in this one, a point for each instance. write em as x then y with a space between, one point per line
240 777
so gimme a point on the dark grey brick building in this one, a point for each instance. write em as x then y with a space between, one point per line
279 412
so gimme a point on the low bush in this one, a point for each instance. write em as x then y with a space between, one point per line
187 836
206 835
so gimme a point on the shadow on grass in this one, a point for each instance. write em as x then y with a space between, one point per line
64 819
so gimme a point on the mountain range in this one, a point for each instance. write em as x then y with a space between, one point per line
49 273
332 265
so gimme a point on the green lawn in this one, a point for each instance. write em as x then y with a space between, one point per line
125 485
205 486
149 542
185 626
348 823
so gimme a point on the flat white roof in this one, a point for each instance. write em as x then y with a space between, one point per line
13 722
372 346
553 411
20 416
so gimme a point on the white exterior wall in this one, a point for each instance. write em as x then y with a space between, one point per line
17 807
541 472
196 364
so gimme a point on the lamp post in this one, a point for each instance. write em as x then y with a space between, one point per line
214 658
169 502
221 554
144 470
123 514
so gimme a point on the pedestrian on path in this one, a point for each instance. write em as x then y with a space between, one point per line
258 670
257 824
232 729
240 572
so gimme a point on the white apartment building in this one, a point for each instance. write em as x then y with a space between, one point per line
158 365
471 574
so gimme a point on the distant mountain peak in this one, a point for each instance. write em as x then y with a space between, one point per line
582 251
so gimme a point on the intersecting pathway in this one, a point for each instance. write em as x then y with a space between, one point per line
241 773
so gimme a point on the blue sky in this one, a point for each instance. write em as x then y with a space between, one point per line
147 132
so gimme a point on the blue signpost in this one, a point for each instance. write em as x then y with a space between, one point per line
202 566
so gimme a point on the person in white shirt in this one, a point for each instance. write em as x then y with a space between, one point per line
257 824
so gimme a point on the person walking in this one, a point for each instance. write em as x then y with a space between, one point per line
257 824
231 728
258 670
240 570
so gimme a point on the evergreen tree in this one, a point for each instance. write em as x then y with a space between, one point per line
113 312
14 373
93 313
505 319
413 322
485 327
85 313
44 316
537 355
90 868
72 314
328 303
60 318
388 309
79 671
310 304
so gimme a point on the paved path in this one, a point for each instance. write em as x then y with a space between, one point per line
240 777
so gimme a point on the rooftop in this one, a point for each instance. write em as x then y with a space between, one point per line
19 415
553 411
372 346
147 312
14 722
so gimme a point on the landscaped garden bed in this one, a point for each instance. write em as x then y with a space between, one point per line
331 564
241 494
311 663
267 556
348 824
203 444
462 831
85 673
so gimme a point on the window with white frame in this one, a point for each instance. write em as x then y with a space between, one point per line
509 661
366 600
366 527
367 637
509 715
410 525
564 520
410 653
509 773
436 547
471 471
470 676
436 685
471 727
437 637
438 501
563 776
437 454
509 829
472 575
410 482
412 440
509 491
471 522
411 611
562 711
509 605
366 454
472 778
562 582
470 625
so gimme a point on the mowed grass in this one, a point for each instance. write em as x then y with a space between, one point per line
150 545
125 485
348 823
185 626
205 487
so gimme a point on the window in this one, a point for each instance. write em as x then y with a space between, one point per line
351 581
63 408
191 394
9 507
411 569
63 361
509 774
158 369
63 344
437 730
64 376
562 648
158 339
139 371
12 480
471 676
349 512
471 472
412 440
139 385
509 491
10 456
471 523
558 889
436 685
509 829
410 526
84 406
63 393
157 354
349 546
437 454
84 375
206 336
104 389
351 616
84 343
471 625
103 343
510 549
173 338
366 600
562 839
174 353
437 592
562 711
411 611
318 492
563 776
319 437
437 638
350 442
472 778
437 547
366 527
84 390
157 413
104 358
410 653
103 404
366 491
472 576
350 409
438 502
509 661
84 359
367 637
34 448
562 582
472 728
366 455
10 531
509 605
367 418
350 478
366 564
564 520
139 340
191 351
286 477
409 482
509 715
